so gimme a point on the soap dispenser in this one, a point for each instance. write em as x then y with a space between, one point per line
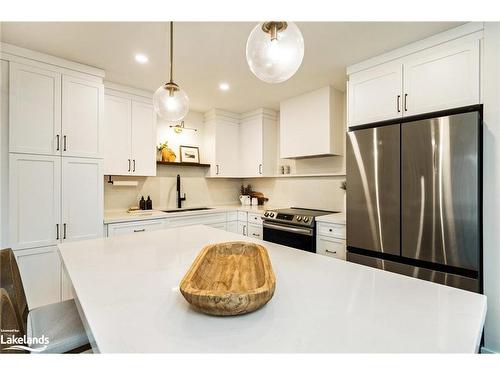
142 203
149 204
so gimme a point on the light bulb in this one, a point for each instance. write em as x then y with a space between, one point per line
275 60
171 104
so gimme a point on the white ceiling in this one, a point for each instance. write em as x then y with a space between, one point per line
207 53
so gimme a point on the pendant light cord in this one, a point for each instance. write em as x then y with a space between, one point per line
171 50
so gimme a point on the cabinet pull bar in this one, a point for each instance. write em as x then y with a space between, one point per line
64 143
128 165
139 230
244 230
64 231
398 100
57 137
217 169
331 252
260 168
57 231
133 170
406 100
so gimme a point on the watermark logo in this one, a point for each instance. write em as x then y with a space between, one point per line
30 344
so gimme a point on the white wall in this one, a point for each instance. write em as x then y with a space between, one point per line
491 181
4 152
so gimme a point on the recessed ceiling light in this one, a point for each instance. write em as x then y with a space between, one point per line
224 86
141 59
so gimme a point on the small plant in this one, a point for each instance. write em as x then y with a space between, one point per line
163 145
343 185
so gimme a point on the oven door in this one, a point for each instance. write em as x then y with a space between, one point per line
297 237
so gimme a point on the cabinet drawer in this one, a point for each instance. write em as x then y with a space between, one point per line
197 220
254 219
135 227
232 216
331 247
255 231
242 216
331 230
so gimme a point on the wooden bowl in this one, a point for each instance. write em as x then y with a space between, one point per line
229 278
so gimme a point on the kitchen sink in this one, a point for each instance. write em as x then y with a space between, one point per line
188 209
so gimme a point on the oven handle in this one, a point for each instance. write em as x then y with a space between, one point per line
306 231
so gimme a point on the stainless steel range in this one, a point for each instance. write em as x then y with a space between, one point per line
294 227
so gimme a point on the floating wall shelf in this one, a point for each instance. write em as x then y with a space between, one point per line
182 164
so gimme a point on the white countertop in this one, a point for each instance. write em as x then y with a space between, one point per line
337 218
127 292
120 216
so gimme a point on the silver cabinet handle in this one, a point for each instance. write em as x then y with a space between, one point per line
133 170
217 169
57 137
406 102
331 252
260 168
139 230
244 230
128 165
57 231
256 234
64 231
64 143
398 100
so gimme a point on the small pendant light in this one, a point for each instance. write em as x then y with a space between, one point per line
275 51
170 101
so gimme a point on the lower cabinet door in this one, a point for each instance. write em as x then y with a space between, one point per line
66 285
134 227
40 270
222 226
232 226
255 231
331 247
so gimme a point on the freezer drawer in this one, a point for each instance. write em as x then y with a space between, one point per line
373 181
439 196
449 279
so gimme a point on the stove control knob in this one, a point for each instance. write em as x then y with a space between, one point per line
266 214
271 214
306 219
299 218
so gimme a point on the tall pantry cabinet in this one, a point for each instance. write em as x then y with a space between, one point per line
55 188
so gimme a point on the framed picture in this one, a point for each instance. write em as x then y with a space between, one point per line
190 154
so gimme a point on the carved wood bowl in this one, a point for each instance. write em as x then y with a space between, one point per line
229 278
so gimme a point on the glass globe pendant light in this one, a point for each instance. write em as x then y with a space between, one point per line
275 51
170 101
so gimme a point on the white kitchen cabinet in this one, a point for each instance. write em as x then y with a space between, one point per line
82 106
143 139
332 247
312 124
135 227
243 228
34 200
232 226
375 94
255 231
66 285
129 134
442 77
258 135
331 230
40 271
221 138
439 77
254 218
197 219
117 127
82 198
34 110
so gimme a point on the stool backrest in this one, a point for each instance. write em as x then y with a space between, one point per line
8 322
11 282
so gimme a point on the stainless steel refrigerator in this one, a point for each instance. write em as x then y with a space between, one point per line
414 197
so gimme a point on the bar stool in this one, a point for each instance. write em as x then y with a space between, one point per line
60 321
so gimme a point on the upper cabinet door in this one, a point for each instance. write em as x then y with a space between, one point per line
143 139
250 141
226 149
442 77
34 200
35 110
82 117
82 199
375 94
117 134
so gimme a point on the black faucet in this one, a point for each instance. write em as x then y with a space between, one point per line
179 198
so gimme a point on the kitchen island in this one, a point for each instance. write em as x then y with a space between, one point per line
127 293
